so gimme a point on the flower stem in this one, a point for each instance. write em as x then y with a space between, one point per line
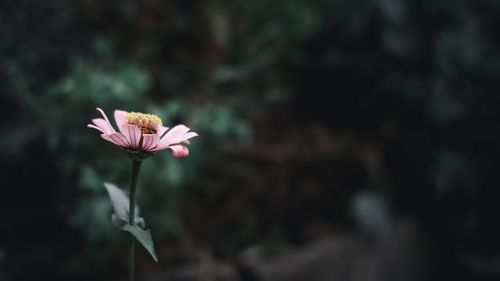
136 165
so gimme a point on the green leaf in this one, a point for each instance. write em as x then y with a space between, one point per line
120 203
144 237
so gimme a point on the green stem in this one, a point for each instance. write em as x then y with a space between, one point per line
136 165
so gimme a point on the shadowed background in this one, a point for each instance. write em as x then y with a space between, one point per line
339 139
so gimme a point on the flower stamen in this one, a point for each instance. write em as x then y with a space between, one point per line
148 123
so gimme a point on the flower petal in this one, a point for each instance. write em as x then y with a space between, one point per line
175 135
101 123
120 118
162 130
116 138
175 131
149 141
179 151
133 135
96 127
186 137
108 124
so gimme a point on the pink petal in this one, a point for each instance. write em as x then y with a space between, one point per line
162 130
116 138
149 141
101 123
175 141
97 128
179 151
120 118
175 131
108 124
188 136
175 135
133 135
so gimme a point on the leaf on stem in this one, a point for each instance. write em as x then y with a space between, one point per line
144 237
120 203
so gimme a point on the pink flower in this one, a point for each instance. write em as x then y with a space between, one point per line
143 133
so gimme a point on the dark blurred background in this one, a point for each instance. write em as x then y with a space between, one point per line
339 139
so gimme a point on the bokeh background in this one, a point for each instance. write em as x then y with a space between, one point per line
339 139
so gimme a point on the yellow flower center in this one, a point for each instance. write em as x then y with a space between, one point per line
148 123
